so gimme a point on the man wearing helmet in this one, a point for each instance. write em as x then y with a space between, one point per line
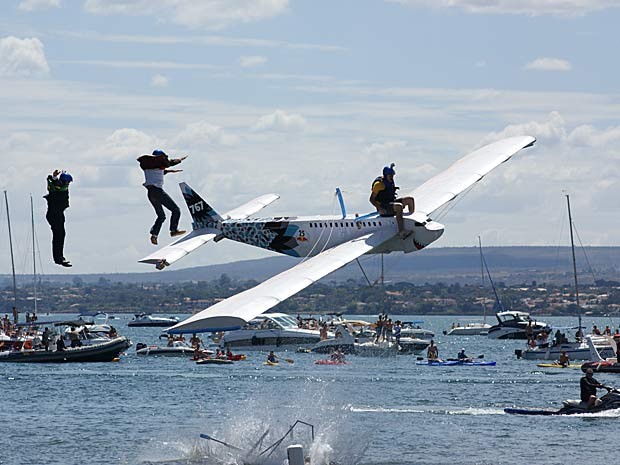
57 202
383 197
155 167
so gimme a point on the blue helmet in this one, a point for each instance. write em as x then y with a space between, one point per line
158 153
65 178
389 170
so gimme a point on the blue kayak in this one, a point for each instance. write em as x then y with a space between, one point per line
451 363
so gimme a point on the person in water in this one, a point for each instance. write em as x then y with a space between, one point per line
155 166
432 353
383 197
271 358
564 360
57 202
588 386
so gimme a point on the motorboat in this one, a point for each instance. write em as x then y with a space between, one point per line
271 331
177 348
468 329
145 319
406 346
513 325
577 350
105 351
609 401
413 330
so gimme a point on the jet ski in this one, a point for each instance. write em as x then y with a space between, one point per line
609 401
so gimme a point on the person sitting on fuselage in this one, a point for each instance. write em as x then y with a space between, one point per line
383 197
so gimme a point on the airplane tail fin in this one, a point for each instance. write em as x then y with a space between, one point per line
203 215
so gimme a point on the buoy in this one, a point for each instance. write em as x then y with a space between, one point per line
295 454
116 359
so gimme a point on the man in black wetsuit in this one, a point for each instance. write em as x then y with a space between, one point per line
589 385
57 202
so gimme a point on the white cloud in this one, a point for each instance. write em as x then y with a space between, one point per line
210 14
22 58
252 61
208 40
159 80
549 64
140 64
279 120
385 148
202 135
34 5
523 7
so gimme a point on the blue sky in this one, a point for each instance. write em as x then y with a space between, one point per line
299 97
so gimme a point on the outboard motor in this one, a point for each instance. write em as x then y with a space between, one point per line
518 353
140 345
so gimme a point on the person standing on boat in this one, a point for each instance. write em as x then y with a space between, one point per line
45 339
588 386
57 202
155 166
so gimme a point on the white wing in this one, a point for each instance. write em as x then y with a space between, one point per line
251 207
237 310
180 248
468 170
194 239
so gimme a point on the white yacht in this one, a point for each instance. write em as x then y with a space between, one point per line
271 331
469 329
412 329
144 319
513 325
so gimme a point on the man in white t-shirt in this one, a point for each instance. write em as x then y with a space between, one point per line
155 166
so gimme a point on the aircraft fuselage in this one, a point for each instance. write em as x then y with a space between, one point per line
310 235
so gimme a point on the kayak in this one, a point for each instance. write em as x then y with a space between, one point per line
451 363
213 361
329 362
271 364
557 365
236 357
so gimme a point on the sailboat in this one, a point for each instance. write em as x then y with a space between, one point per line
578 349
474 328
25 349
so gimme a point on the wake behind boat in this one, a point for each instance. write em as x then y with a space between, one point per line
609 401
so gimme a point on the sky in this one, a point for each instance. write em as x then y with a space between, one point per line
298 98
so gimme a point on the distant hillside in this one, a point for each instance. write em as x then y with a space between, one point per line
450 264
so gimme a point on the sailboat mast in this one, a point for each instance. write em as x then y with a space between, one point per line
484 305
8 219
34 259
572 245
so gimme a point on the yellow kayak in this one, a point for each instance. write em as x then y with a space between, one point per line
271 364
557 365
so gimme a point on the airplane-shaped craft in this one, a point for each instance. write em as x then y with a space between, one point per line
327 242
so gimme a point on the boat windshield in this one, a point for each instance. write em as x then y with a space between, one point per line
285 321
510 316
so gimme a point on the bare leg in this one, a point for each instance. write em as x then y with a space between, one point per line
398 211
